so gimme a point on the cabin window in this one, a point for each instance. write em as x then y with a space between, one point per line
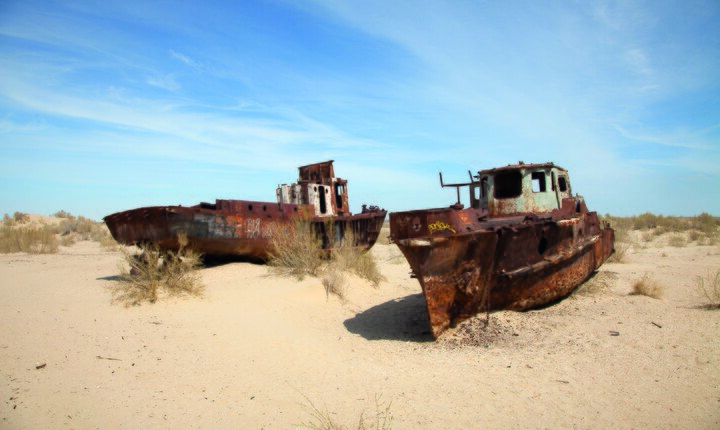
552 180
323 203
562 184
339 192
508 184
538 182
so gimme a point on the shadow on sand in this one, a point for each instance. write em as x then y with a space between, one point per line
403 319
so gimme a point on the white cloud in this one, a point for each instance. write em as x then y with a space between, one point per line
166 82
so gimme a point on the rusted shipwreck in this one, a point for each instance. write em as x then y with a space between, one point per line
524 242
243 228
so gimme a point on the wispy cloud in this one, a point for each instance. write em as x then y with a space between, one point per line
166 82
182 58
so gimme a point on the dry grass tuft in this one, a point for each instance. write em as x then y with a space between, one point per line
322 419
678 240
620 253
296 248
297 251
33 240
153 271
19 234
647 287
709 286
334 282
348 257
21 218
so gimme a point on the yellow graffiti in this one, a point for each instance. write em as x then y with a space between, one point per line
439 226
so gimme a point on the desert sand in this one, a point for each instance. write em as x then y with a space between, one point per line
258 349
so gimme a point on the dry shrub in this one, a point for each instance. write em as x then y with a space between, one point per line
677 240
657 232
647 236
68 240
705 223
620 253
21 217
709 286
296 248
8 221
106 240
63 214
322 419
33 240
154 271
334 282
646 286
348 257
694 236
81 227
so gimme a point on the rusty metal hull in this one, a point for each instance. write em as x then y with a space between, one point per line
467 262
230 228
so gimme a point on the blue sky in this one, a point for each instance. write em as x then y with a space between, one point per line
109 105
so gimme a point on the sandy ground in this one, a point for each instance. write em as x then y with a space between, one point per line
258 349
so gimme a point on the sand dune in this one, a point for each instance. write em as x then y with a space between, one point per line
257 349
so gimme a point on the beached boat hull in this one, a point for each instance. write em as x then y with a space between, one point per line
502 266
243 229
231 228
525 242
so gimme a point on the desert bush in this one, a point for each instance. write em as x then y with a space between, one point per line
705 223
322 419
106 240
8 221
21 217
660 224
68 240
33 240
694 236
63 214
647 236
677 240
153 271
645 221
348 257
83 228
709 286
334 282
620 253
647 286
296 248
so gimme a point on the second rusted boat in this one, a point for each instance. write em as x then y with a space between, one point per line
525 241
243 228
